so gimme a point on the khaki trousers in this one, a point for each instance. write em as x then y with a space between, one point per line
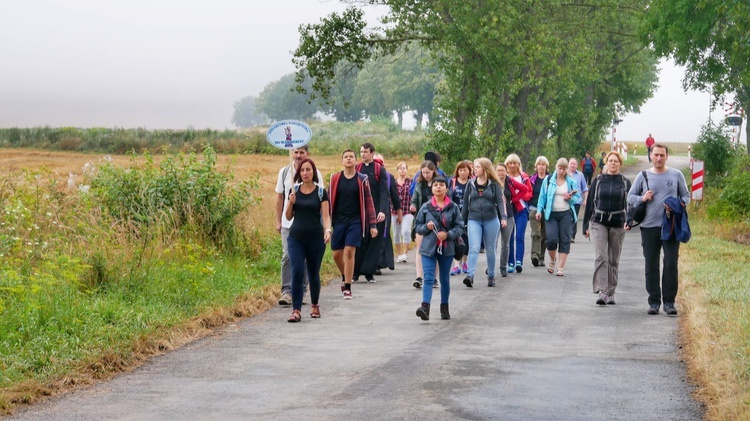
608 247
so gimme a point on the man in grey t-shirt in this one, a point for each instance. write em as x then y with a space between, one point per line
663 182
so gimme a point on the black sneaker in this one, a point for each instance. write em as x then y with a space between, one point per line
653 309
535 262
418 283
503 272
519 268
669 309
491 281
469 282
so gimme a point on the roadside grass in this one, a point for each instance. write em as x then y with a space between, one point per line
715 320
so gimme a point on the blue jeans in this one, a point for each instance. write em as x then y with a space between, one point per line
478 231
428 266
309 250
517 238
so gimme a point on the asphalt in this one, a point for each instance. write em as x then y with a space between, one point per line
536 347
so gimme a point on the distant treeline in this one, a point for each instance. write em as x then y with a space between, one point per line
328 139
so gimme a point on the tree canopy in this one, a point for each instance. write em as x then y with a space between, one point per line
710 38
246 115
515 75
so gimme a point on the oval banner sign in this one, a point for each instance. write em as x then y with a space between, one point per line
289 134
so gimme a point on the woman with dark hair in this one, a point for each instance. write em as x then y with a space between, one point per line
456 187
422 194
538 230
439 222
308 235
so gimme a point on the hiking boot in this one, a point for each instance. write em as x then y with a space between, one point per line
653 309
444 314
602 300
418 283
423 312
455 271
469 281
503 272
285 299
491 281
670 309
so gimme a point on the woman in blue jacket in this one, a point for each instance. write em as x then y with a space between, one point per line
556 198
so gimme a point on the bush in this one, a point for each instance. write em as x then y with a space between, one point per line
733 202
716 151
182 192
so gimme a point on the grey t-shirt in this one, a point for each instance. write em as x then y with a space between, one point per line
670 183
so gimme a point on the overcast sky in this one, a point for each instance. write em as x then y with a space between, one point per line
174 64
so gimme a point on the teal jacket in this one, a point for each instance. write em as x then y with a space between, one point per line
547 195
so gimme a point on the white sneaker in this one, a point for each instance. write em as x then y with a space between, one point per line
404 258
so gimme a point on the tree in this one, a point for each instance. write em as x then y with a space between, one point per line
511 70
710 38
245 114
280 100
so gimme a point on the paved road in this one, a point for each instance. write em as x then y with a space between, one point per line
536 347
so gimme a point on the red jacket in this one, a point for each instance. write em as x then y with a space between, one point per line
520 191
367 210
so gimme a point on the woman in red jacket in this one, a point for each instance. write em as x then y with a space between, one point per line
522 192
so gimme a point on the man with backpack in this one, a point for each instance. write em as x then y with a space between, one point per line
588 165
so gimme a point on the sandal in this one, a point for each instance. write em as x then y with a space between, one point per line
315 311
295 317
560 272
551 267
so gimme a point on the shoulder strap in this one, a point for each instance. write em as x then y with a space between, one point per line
645 177
285 173
320 193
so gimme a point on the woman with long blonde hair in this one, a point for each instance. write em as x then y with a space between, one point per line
521 198
484 213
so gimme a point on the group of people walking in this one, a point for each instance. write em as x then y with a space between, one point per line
481 206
